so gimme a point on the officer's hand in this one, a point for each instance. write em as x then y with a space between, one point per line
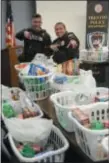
27 35
54 47
72 44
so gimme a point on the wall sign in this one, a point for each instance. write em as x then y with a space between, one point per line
97 23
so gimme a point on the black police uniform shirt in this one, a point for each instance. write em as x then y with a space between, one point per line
64 52
39 42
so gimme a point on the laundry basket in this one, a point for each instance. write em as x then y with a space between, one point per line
37 87
63 102
56 139
105 144
90 140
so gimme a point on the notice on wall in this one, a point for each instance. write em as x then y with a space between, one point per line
97 24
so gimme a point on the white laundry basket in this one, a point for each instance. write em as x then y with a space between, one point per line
63 102
90 140
37 87
56 139
105 144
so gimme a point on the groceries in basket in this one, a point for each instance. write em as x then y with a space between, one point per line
89 139
30 136
96 55
15 94
70 67
64 79
83 118
11 94
101 97
37 70
8 110
97 125
60 79
27 113
30 150
17 111
53 150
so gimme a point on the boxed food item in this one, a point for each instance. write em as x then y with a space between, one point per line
81 117
37 70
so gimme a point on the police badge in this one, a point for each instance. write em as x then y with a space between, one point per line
62 43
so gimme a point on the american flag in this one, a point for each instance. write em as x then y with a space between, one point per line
10 33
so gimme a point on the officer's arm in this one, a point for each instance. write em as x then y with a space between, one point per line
72 36
73 51
20 35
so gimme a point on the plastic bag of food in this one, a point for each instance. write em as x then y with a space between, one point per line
30 130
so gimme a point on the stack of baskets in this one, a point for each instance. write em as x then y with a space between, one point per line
88 140
64 102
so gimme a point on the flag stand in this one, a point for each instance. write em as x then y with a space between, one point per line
8 73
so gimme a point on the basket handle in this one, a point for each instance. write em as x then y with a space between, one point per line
72 118
52 98
70 115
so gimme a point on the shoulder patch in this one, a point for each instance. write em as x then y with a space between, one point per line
70 35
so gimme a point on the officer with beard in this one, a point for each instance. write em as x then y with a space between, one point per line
36 40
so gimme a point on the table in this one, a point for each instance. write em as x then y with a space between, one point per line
48 109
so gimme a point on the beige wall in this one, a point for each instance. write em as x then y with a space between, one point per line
72 13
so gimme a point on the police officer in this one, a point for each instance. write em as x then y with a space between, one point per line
65 47
36 40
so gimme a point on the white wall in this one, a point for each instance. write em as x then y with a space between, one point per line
72 13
